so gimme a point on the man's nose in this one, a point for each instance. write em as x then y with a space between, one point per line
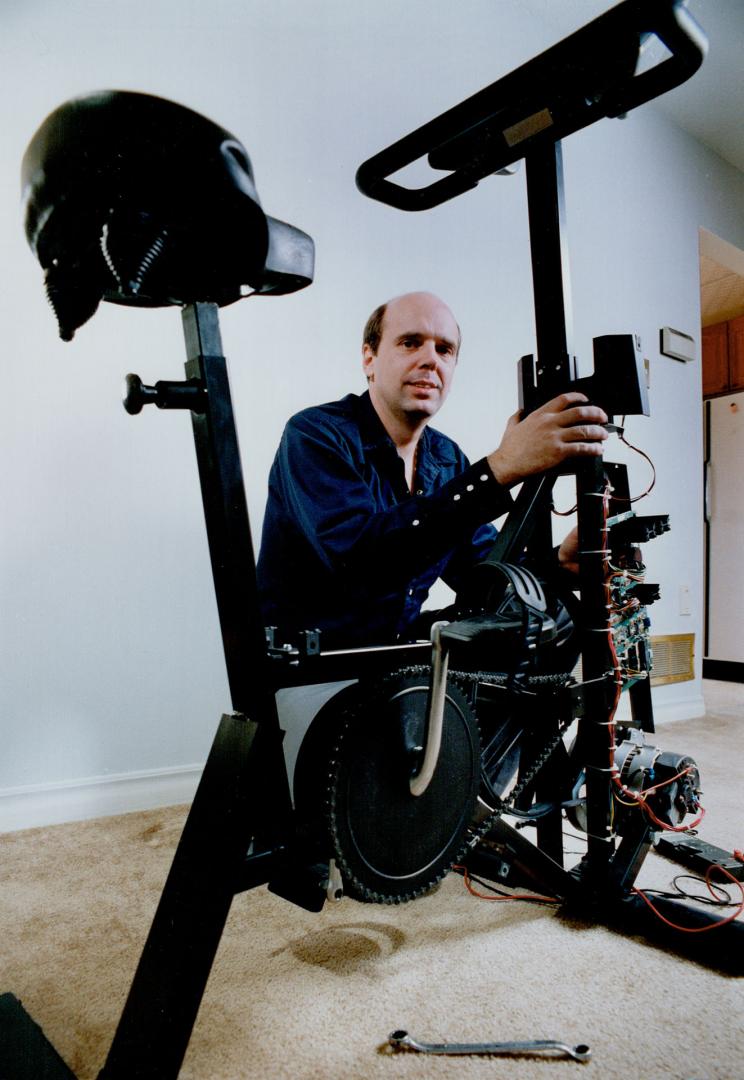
428 355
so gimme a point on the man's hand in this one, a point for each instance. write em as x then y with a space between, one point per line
562 428
568 552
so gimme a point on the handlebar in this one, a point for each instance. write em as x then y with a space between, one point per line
585 77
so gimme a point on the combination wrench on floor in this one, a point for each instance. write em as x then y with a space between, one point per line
401 1040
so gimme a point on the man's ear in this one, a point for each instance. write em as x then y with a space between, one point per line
368 361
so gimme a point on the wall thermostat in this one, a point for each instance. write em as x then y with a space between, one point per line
676 344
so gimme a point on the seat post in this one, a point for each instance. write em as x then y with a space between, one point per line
243 796
225 507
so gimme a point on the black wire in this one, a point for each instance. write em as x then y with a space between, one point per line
724 901
533 814
499 892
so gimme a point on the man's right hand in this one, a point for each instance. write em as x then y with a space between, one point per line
564 427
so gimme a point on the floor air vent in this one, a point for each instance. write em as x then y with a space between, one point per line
673 658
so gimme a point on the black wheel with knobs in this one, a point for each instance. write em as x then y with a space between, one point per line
390 845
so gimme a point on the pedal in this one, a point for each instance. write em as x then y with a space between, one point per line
485 629
494 641
699 856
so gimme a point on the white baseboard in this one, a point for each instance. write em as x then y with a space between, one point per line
99 796
54 804
689 709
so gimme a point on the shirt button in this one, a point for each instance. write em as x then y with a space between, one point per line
420 491
415 522
470 487
456 497
484 476
410 592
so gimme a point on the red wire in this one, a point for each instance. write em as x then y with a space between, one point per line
711 926
653 469
638 798
517 896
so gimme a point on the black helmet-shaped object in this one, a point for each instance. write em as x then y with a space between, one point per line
137 200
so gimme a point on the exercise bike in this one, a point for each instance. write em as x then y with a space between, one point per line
422 761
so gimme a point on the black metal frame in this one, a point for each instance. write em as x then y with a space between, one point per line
239 832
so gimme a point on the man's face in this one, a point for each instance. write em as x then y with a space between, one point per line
415 360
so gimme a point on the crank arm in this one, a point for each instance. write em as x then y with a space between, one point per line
401 1040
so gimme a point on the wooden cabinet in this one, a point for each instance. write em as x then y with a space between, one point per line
715 360
723 357
736 353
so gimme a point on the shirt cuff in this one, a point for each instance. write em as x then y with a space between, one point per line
477 493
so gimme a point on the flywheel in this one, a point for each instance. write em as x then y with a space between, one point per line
390 845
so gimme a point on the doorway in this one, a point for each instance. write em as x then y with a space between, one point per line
722 318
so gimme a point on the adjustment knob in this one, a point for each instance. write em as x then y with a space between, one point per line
165 394
136 394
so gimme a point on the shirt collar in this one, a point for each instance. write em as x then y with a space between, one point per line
433 452
373 430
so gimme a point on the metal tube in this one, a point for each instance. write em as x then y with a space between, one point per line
434 712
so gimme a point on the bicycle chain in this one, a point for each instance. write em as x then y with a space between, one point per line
480 678
485 826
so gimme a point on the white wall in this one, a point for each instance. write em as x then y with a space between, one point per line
111 658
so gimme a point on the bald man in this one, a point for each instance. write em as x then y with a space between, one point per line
368 505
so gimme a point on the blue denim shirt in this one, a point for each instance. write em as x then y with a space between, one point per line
346 547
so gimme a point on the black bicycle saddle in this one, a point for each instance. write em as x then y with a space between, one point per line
138 200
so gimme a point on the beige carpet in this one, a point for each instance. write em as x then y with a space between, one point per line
313 997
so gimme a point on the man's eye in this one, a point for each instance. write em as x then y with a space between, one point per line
445 350
411 343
